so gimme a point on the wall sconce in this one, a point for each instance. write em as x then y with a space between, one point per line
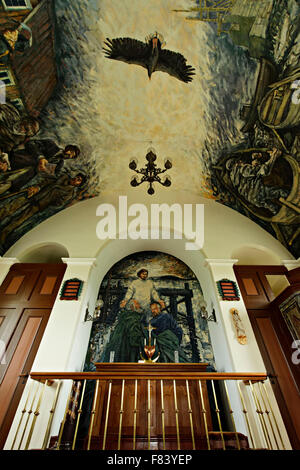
206 316
97 312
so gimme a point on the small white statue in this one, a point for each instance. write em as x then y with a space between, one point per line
238 326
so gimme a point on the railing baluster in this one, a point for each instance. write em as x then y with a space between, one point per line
254 397
78 415
232 417
107 414
134 413
163 413
149 414
22 415
218 414
176 415
64 418
28 416
245 411
47 433
203 411
36 414
260 414
190 411
93 415
121 414
274 417
268 414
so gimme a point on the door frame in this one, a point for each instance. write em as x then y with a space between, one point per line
30 299
260 302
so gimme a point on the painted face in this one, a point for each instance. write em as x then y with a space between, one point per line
256 156
76 181
155 309
69 153
144 275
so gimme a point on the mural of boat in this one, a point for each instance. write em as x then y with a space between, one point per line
287 166
280 107
266 76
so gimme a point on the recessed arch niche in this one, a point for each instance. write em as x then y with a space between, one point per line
50 253
175 284
253 255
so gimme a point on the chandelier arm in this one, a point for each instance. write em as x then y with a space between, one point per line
143 179
160 171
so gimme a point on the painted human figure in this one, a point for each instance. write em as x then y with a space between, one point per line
15 129
14 39
38 199
142 292
248 179
168 335
42 157
164 321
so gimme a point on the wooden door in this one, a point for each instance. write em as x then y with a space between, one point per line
284 382
274 340
27 296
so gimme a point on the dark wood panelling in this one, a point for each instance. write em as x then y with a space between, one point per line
25 308
254 278
274 339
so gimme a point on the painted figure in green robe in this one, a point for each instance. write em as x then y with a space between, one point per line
168 335
128 336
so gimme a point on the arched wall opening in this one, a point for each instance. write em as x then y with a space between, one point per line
75 228
182 312
255 255
258 255
50 253
116 250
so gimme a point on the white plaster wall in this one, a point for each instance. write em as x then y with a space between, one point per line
225 230
75 228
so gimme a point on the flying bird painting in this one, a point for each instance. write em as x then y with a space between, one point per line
150 55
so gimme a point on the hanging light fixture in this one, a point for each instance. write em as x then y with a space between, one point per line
150 173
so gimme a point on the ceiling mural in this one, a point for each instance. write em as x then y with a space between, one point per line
214 86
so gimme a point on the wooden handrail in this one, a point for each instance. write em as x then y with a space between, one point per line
131 371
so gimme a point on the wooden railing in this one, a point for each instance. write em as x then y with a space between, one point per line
128 406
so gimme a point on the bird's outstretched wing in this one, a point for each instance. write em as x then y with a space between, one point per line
175 64
127 50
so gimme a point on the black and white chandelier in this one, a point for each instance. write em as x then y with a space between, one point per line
150 173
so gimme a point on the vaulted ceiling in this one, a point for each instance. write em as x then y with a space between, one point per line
113 112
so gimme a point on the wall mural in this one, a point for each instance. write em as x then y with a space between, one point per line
157 289
214 85
290 310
